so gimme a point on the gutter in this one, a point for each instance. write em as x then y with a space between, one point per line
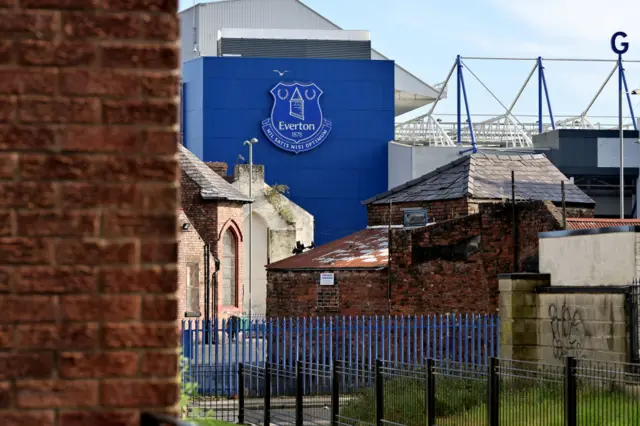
310 269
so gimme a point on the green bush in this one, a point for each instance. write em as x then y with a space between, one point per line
188 392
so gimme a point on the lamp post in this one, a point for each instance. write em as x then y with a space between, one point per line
250 144
624 47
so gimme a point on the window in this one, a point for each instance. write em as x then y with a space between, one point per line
229 269
193 288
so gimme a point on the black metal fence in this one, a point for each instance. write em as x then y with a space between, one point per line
506 392
634 322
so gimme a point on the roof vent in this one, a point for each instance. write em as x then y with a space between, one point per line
415 218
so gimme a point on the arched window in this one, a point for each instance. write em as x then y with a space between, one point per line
229 268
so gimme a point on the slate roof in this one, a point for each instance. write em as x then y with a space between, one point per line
212 185
366 249
484 176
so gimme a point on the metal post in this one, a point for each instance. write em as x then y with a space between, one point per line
147 419
637 188
570 392
240 393
267 394
430 394
250 265
379 394
299 393
564 207
458 98
620 95
335 394
539 94
389 259
514 213
215 301
493 403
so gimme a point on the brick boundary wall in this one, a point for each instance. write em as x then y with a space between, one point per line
436 284
88 212
378 214
442 210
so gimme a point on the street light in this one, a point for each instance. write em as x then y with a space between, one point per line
250 144
637 123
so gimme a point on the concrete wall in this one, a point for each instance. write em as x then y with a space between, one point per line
589 326
589 260
539 325
426 159
277 224
259 258
400 164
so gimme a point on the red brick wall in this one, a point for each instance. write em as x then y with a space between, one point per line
190 250
434 286
465 286
88 177
211 219
299 294
378 214
580 212
219 167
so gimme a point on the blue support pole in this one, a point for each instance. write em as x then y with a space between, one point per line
539 94
546 94
626 90
466 106
183 121
458 94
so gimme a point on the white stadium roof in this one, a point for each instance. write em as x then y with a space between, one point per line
207 19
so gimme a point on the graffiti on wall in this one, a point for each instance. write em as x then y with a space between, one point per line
567 330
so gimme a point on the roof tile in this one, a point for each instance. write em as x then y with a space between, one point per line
212 185
364 249
488 176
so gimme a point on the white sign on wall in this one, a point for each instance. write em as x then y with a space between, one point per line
327 278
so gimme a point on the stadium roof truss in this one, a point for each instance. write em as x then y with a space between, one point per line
504 130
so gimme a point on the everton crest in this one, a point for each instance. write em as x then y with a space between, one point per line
297 123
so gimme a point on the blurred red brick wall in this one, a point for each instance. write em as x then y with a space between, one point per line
88 210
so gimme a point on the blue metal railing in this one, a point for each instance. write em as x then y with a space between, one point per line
213 349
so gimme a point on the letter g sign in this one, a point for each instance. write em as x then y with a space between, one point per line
624 46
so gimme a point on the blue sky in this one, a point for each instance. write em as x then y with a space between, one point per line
424 37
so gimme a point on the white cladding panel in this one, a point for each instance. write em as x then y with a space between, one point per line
280 34
272 14
276 14
187 34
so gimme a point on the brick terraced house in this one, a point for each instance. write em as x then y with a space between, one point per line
450 265
458 188
211 214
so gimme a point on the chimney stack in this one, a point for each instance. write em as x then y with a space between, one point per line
219 167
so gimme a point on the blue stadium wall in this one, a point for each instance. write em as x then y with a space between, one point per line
227 98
